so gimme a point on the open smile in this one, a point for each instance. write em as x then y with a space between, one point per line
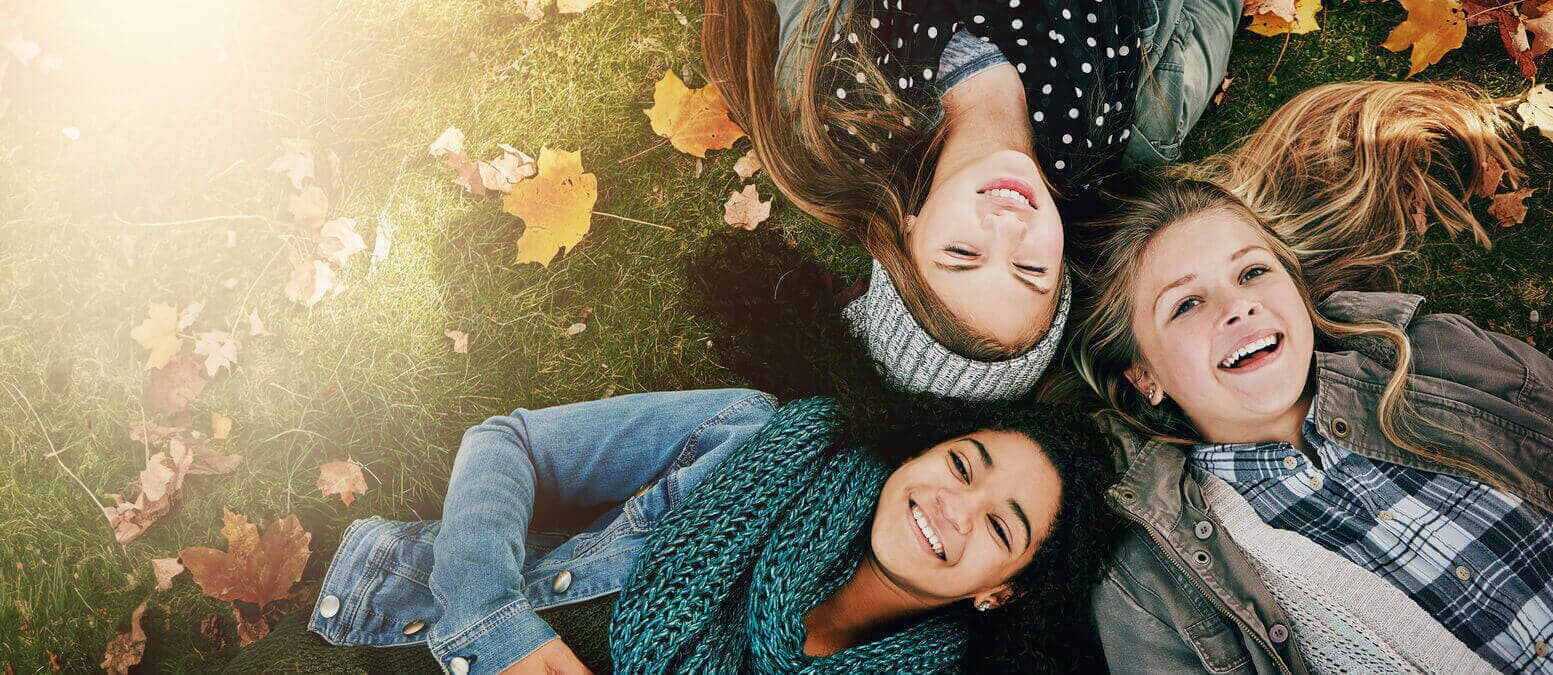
926 535
1253 353
1011 191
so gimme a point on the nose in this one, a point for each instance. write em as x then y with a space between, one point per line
1008 225
955 509
1241 308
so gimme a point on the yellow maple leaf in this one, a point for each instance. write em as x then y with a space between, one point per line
1537 110
556 206
1432 28
694 120
1269 23
159 334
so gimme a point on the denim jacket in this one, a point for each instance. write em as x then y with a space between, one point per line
515 536
1179 596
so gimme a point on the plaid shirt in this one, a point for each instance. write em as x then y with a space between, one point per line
1479 560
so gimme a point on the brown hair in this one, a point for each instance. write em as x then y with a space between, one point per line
862 183
1333 180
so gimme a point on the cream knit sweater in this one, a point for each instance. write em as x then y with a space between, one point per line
1346 619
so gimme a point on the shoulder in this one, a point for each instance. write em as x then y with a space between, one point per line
1397 309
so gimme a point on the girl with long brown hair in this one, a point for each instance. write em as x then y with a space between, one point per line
946 138
1321 476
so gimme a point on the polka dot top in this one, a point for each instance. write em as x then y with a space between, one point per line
1078 61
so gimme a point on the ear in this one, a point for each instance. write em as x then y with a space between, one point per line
996 596
1138 374
911 223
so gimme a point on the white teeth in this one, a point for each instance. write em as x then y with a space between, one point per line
927 530
1232 359
1005 192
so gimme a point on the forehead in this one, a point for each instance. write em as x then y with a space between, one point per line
1194 245
1020 463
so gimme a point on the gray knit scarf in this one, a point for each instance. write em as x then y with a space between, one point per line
912 360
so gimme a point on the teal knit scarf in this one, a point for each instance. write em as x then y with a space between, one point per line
724 581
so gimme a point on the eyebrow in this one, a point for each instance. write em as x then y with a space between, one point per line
986 458
1024 520
966 267
1233 256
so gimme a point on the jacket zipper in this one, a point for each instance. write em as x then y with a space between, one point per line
1215 599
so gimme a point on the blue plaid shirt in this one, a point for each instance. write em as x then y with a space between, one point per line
1479 560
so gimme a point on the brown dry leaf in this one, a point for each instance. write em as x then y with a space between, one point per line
151 433
164 569
160 483
1537 110
256 326
449 147
574 6
556 206
343 479
1304 20
220 426
1223 89
534 9
126 649
249 631
1509 208
576 329
500 174
175 385
450 142
309 207
1432 28
694 120
460 340
1540 27
744 210
748 165
219 349
130 519
208 461
296 161
1283 9
159 335
311 282
338 240
1490 174
255 568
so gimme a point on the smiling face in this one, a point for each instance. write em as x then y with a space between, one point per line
965 516
1221 326
988 242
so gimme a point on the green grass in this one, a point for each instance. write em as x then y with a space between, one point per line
369 375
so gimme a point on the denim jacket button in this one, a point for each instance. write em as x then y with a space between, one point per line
329 606
459 665
414 627
561 582
1278 633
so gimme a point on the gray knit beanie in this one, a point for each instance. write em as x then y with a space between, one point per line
912 360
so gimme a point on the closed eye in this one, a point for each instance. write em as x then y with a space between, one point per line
1001 532
962 252
960 468
1031 268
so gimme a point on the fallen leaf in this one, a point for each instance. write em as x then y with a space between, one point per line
1509 208
190 314
159 335
176 384
338 240
1490 174
1541 30
164 569
129 520
574 6
219 349
500 174
694 120
126 649
249 631
1283 9
208 461
296 161
1218 98
309 207
256 326
255 568
744 210
748 165
220 426
1304 20
468 173
460 340
1432 28
311 282
160 483
451 141
534 9
151 433
576 328
1537 110
556 206
383 240
343 479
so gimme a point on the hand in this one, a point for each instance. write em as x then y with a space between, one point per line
552 658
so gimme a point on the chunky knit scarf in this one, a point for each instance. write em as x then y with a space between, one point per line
724 581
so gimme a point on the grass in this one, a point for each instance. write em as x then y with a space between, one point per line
173 128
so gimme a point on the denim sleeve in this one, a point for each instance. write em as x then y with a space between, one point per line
574 456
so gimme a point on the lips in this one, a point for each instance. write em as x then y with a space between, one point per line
1012 191
1253 352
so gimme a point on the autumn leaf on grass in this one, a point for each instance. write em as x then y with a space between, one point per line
309 207
500 174
1537 110
694 120
160 483
220 426
258 569
338 240
190 314
296 161
384 239
460 340
1272 23
1283 9
311 282
159 334
343 479
449 142
256 325
556 206
574 6
164 569
449 147
175 385
208 461
744 210
219 349
1509 208
151 433
1432 28
126 649
748 165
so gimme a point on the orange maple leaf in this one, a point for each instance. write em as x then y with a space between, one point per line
694 120
1432 28
343 479
1271 23
254 568
556 206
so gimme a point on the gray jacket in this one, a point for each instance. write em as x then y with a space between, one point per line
1180 597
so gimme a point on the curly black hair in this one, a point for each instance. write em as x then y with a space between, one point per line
782 332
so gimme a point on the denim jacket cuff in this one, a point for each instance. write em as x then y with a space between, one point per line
496 641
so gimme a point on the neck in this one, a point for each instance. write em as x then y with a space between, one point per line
1287 426
865 604
984 115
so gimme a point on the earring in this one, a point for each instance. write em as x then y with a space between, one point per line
984 605
1152 391
911 222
